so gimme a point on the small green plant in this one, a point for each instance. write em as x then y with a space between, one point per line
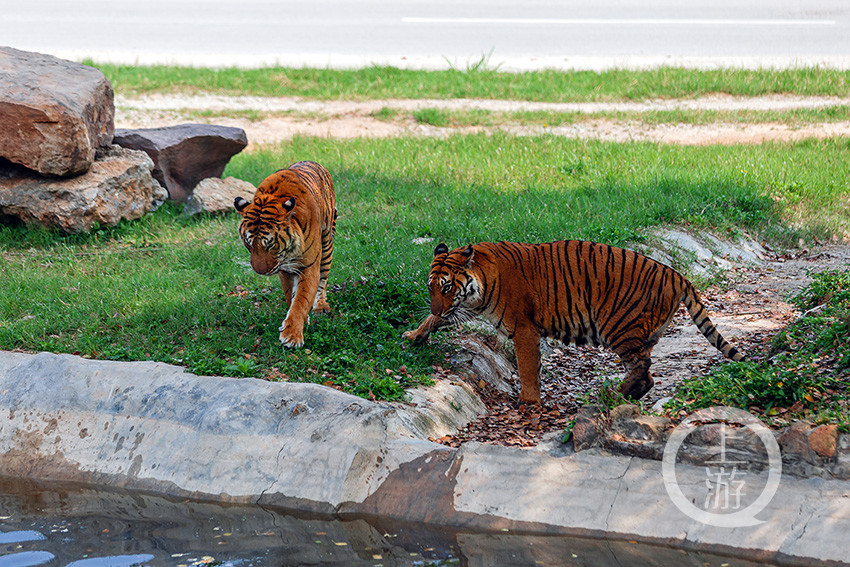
432 116
574 168
753 384
610 397
827 287
568 431
242 368
385 113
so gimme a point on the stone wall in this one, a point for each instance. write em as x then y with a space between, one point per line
806 450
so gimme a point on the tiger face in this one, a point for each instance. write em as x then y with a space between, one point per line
271 233
454 287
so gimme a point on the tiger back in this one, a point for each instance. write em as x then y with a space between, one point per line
288 228
576 291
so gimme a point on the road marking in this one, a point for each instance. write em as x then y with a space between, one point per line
616 22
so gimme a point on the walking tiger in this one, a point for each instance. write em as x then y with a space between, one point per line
289 229
574 290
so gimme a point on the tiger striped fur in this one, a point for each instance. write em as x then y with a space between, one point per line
289 229
575 291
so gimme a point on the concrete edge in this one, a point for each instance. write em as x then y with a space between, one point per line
153 427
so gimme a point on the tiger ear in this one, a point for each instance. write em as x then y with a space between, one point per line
239 204
289 204
468 252
441 249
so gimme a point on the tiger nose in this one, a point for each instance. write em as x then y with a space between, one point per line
261 261
260 264
436 305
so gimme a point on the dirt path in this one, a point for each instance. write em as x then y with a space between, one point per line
288 117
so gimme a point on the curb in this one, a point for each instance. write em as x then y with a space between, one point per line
153 427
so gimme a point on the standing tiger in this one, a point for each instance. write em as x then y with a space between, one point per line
289 229
575 291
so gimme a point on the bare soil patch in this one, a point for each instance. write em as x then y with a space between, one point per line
283 118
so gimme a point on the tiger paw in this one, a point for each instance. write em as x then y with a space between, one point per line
414 336
290 338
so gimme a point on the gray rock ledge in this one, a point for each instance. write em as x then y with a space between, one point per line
153 427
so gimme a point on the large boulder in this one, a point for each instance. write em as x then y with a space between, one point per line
117 186
185 154
54 114
214 195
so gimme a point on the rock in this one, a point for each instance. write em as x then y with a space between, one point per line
486 364
709 254
711 434
623 411
645 428
214 195
823 440
659 404
183 155
54 114
794 443
152 426
117 186
587 429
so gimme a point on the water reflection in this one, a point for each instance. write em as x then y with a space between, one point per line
81 527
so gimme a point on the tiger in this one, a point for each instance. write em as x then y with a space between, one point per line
289 227
573 290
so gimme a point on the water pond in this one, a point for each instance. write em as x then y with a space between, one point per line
77 526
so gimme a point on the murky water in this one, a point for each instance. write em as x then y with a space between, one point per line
81 527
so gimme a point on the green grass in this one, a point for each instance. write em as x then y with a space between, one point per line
177 290
804 372
478 117
173 289
486 187
476 82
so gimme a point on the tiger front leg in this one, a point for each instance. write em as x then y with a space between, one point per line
304 288
421 333
527 348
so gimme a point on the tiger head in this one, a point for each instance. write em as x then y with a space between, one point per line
454 286
269 226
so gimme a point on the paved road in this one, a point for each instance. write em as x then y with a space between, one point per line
435 33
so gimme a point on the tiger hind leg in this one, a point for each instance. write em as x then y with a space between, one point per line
638 380
320 305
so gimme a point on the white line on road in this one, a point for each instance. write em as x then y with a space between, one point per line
616 22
